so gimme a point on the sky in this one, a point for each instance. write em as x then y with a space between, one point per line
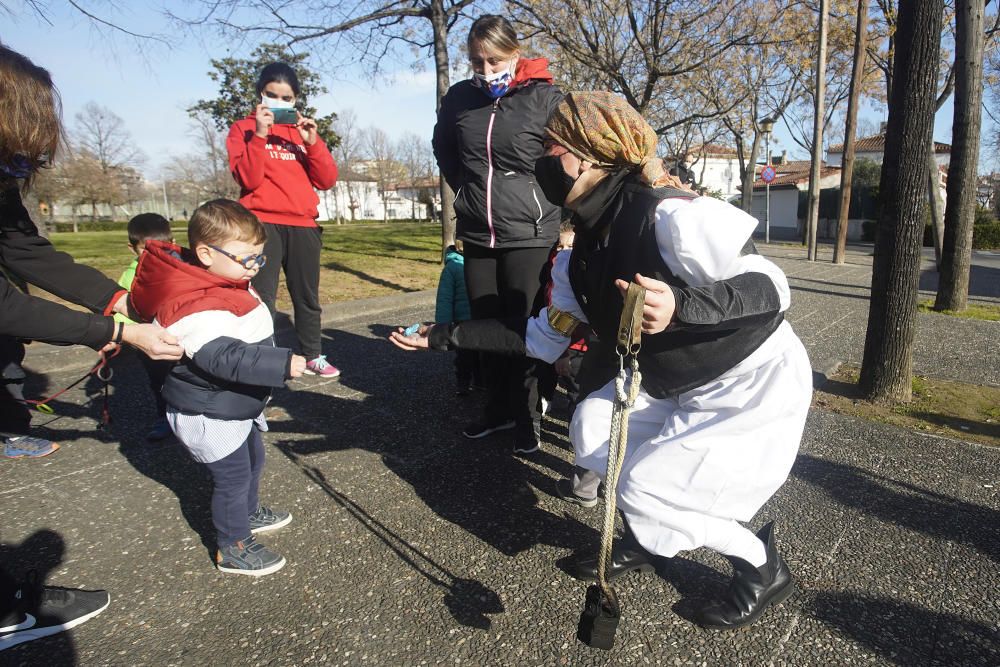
150 86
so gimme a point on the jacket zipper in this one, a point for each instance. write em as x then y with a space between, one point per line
489 175
538 222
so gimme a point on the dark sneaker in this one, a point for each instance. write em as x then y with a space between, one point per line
159 431
248 557
478 430
27 446
564 489
40 611
265 519
526 443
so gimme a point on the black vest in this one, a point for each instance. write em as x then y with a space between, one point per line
675 360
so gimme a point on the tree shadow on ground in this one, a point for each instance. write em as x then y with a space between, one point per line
383 255
469 601
37 556
403 410
336 266
903 504
887 627
984 281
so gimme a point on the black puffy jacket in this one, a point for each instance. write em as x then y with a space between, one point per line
486 151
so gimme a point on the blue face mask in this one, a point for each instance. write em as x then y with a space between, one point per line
19 167
494 85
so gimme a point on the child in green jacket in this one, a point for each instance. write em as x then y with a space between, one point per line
453 306
149 227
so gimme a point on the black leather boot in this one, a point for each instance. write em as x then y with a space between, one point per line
626 555
752 590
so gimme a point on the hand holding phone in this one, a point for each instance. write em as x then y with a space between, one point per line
285 116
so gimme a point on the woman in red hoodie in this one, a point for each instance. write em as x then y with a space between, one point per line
279 166
488 135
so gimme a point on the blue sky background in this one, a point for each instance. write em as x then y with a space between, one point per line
151 85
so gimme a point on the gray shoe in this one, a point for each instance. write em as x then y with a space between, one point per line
265 519
564 489
248 557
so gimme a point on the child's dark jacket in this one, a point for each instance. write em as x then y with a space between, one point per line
230 362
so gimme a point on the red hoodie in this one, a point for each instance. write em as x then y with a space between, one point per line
169 284
531 69
277 175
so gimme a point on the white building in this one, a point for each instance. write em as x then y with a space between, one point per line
356 197
715 168
791 181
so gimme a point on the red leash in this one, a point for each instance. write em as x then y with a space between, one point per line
101 370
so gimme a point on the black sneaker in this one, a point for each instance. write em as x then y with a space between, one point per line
478 430
526 443
248 557
40 611
564 489
265 519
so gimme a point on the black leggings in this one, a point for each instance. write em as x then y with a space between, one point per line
296 250
505 283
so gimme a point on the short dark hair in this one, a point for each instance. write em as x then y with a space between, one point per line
148 227
280 72
222 220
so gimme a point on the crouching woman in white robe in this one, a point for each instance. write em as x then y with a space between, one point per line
726 384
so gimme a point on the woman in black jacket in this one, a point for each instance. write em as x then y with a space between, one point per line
488 135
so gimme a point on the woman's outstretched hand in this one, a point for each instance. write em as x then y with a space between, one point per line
659 305
417 341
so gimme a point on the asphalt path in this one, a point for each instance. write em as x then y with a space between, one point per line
411 545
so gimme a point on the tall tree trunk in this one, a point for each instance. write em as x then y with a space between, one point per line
847 165
439 21
748 170
956 257
812 217
935 202
887 367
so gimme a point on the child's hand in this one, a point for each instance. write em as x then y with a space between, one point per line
563 368
298 366
416 341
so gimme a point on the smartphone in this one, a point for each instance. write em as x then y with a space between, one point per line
285 116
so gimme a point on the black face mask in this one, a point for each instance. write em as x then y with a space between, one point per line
553 179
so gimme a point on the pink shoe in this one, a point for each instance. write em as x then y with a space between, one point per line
320 366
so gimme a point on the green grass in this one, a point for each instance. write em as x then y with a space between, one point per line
357 261
975 311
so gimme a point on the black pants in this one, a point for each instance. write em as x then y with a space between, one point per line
296 250
467 371
15 417
235 480
505 283
157 370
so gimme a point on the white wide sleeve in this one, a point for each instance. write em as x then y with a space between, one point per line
700 240
540 339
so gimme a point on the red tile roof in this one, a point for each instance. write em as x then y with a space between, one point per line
876 144
793 173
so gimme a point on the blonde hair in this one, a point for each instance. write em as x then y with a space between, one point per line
30 112
495 34
221 220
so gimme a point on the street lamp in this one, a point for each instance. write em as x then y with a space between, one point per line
766 125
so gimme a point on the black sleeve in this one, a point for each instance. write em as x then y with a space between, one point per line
726 304
445 144
500 336
32 258
33 318
247 363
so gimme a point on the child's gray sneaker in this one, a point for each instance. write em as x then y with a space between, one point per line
265 519
248 557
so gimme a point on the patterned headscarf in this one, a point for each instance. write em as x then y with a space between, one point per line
601 128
